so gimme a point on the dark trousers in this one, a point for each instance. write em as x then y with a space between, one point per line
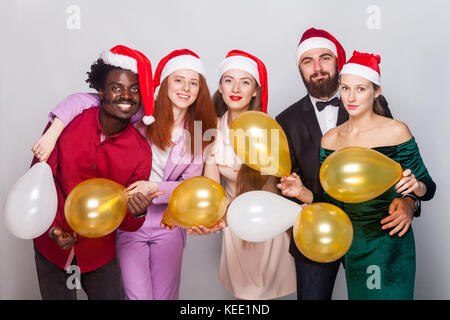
315 281
104 283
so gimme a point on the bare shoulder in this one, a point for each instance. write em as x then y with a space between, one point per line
329 140
398 131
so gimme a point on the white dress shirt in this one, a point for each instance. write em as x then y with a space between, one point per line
328 116
160 158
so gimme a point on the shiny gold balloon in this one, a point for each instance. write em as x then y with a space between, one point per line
357 174
167 220
323 232
96 207
197 201
260 142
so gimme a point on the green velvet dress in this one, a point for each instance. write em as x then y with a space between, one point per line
377 265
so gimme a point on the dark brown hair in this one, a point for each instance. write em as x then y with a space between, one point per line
379 104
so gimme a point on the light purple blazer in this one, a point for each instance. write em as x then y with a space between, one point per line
180 165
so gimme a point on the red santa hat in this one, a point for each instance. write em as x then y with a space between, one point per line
365 65
135 61
316 38
177 60
237 59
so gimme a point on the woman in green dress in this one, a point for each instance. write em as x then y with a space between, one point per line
378 265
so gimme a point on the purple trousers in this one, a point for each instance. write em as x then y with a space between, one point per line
150 259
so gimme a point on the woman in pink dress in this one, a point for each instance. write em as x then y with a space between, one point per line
249 270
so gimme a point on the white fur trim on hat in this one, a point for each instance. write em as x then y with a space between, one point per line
119 60
185 61
314 43
148 120
362 71
241 63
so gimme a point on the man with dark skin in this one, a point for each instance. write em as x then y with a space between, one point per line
99 143
120 100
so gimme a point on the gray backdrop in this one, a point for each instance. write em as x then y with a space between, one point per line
49 45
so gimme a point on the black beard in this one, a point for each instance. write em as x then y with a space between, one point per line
323 88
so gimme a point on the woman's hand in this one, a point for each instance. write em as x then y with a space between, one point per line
166 222
167 226
202 230
147 188
409 184
43 148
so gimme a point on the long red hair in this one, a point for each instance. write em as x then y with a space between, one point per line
160 132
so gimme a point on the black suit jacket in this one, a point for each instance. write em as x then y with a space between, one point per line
303 133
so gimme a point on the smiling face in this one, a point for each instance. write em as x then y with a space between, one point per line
121 97
237 87
183 88
318 68
357 94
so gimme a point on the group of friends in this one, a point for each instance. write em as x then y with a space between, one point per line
149 149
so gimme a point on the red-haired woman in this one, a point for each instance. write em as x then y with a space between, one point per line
249 270
150 258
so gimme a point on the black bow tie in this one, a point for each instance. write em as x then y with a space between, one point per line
322 104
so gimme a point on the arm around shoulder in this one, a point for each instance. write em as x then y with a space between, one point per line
73 105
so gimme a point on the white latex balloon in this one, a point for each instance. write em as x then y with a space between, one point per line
32 203
261 215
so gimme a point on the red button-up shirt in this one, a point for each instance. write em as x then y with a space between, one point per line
80 155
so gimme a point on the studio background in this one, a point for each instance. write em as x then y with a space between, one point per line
49 45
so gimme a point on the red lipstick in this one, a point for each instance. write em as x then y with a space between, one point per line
235 98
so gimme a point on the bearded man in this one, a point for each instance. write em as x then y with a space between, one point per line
320 57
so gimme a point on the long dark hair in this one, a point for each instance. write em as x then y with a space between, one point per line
380 104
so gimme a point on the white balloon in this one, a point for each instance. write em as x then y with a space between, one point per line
261 215
32 203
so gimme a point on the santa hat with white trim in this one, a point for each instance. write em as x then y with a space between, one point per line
365 65
177 60
237 59
316 38
136 62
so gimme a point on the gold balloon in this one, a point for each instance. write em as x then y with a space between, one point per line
260 142
96 207
197 201
323 232
167 220
357 174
